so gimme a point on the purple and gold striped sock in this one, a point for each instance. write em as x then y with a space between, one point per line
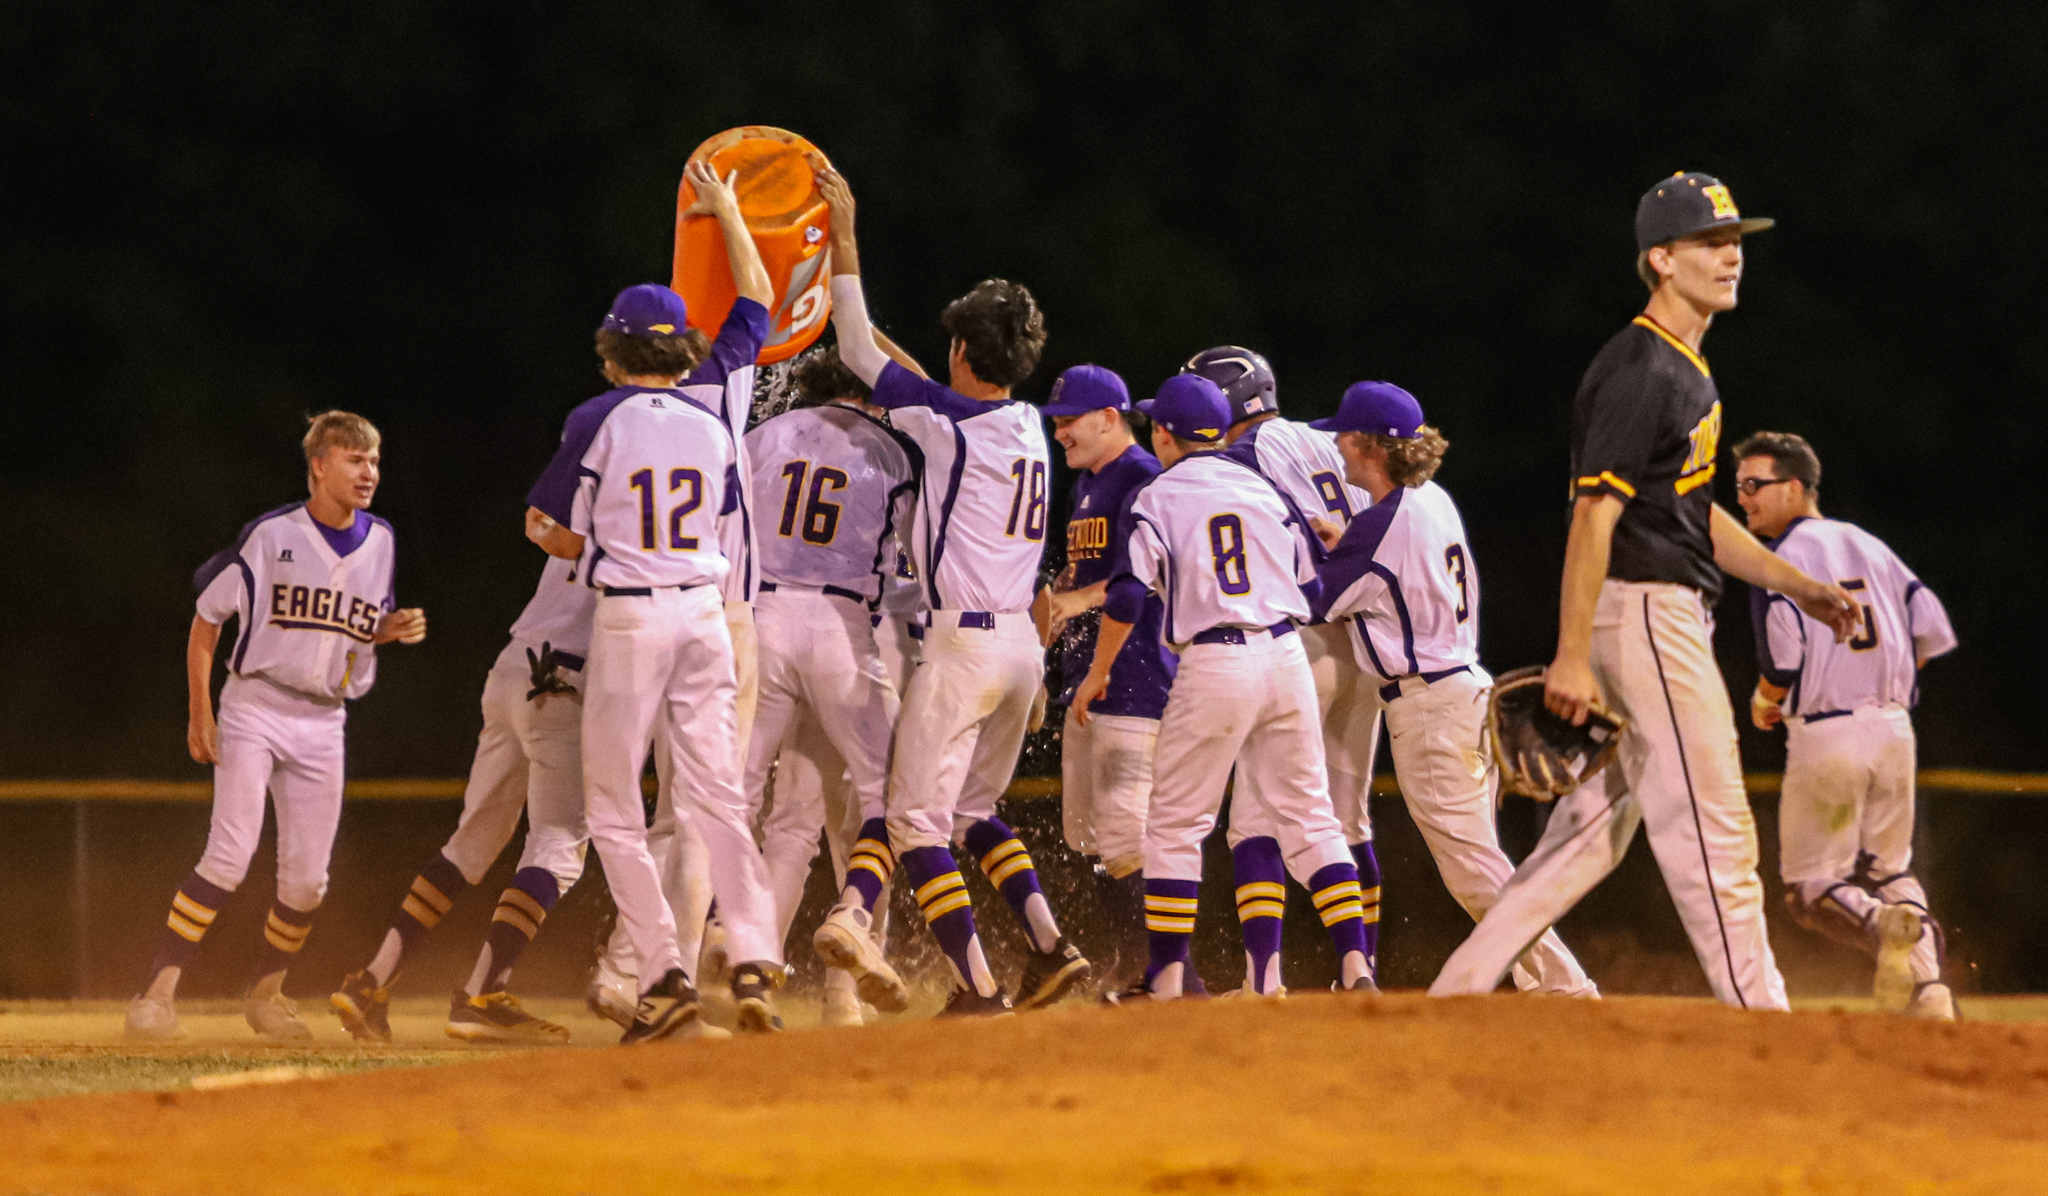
432 895
1009 868
1170 923
942 896
1334 889
284 936
194 906
1261 908
1369 896
521 910
871 865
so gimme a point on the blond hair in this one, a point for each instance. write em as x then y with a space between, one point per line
343 428
1412 461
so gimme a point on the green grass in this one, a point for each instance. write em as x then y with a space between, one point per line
34 1077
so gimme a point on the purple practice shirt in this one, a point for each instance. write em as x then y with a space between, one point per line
1098 538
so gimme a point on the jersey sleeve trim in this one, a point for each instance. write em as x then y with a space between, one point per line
1352 559
739 342
554 493
1760 602
1605 482
898 387
1699 363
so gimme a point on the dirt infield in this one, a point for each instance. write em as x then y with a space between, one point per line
1321 1093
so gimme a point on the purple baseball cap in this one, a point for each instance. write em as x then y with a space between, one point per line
649 309
1191 407
1375 408
1084 388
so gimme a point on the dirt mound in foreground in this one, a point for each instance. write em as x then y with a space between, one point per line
1321 1093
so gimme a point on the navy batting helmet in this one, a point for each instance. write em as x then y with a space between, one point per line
1244 377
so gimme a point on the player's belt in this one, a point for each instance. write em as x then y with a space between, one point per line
980 619
1235 635
646 591
916 628
1392 689
769 587
1823 715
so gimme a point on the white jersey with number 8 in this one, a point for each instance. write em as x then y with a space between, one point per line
1219 544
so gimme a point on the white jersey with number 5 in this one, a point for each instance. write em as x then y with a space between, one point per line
1404 579
647 477
835 484
1305 464
1903 624
982 510
1217 542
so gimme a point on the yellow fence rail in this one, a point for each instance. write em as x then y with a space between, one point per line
1943 780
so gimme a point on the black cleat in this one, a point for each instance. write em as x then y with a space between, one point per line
753 997
1136 994
364 1009
664 1009
965 1002
1050 975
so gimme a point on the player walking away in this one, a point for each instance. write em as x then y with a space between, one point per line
1229 555
1642 568
1845 817
978 537
1106 762
1403 582
1303 463
844 484
311 587
528 758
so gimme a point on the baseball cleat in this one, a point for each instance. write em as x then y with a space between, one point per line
753 997
275 1017
1933 1001
497 1017
1050 975
1134 995
842 1007
1899 928
846 941
965 1002
1276 993
364 1009
151 1019
612 995
1363 984
664 1010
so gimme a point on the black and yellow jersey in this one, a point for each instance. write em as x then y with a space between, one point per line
1646 427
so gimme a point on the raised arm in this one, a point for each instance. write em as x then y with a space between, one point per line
860 346
1739 554
1568 687
716 197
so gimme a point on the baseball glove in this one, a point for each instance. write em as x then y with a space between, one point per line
1539 753
547 679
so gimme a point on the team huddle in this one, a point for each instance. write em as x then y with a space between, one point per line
833 625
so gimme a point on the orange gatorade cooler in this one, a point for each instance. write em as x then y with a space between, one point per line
789 221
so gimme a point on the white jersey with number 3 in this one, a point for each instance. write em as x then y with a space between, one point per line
1404 580
1903 623
1216 541
834 484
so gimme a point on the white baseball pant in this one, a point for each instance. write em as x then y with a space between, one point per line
1348 710
1252 705
962 725
1106 787
663 662
1677 770
528 758
1436 732
289 746
1849 790
818 654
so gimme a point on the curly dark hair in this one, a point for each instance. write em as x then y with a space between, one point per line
1000 328
820 377
1789 453
1413 461
666 356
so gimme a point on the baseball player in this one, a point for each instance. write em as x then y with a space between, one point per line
977 539
1642 567
311 586
1106 762
1229 556
1403 583
1303 463
528 758
1845 816
844 484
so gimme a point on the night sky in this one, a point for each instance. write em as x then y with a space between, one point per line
216 225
